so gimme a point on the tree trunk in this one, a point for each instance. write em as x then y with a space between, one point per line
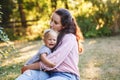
116 24
22 14
53 4
66 4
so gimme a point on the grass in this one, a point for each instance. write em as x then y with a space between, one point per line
99 61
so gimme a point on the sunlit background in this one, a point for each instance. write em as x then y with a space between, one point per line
22 23
26 19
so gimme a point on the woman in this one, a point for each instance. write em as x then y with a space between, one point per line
65 56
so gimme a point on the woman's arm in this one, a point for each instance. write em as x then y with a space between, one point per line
58 56
36 65
44 59
31 66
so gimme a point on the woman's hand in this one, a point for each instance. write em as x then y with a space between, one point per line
31 66
23 69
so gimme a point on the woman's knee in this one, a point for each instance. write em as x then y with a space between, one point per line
33 75
43 75
28 75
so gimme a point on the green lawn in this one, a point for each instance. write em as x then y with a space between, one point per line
99 61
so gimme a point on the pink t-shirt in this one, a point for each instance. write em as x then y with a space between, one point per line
65 57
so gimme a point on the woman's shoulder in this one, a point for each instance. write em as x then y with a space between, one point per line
70 35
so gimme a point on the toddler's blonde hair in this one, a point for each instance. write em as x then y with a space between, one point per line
49 32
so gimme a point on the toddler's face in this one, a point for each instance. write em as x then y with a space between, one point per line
50 41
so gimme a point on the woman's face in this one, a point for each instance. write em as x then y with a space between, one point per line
55 22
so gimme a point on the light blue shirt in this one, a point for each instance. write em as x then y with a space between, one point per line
36 57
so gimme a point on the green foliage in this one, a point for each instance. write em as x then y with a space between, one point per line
5 51
88 27
104 31
95 17
16 34
0 14
91 33
3 35
7 9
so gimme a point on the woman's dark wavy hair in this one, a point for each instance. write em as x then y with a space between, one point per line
69 26
67 23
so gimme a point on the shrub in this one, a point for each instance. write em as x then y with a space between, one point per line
9 48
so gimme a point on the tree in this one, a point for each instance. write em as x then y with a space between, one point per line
53 4
7 6
66 4
0 14
22 13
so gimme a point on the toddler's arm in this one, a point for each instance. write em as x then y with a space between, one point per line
44 59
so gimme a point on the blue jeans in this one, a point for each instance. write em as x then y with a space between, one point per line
33 75
41 75
62 76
